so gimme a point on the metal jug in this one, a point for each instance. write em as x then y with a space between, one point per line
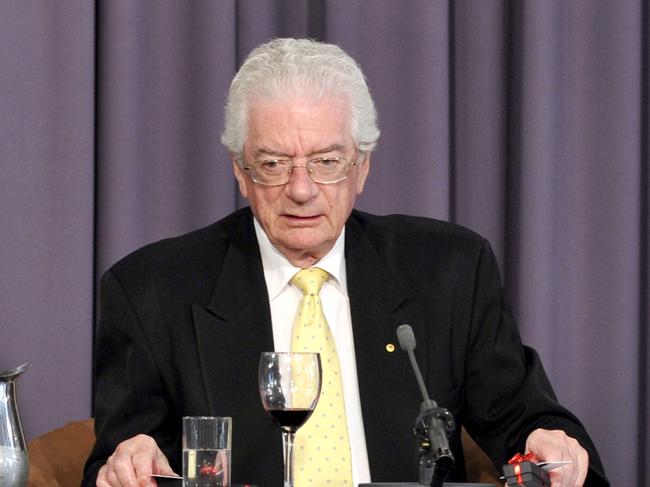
14 463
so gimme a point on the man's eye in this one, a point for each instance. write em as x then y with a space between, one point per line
272 166
326 163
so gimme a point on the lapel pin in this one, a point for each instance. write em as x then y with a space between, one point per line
390 348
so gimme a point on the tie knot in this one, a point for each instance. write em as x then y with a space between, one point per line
309 281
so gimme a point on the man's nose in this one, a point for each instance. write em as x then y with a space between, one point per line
300 186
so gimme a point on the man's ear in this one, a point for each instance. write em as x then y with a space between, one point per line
363 170
240 175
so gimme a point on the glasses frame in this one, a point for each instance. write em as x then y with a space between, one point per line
249 167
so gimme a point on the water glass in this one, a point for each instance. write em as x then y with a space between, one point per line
206 451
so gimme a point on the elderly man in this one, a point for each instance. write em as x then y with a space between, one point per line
183 321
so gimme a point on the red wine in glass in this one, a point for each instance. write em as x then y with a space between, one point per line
290 419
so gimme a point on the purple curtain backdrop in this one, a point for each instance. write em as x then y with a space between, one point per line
47 64
526 121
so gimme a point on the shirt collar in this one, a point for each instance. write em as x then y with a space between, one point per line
278 271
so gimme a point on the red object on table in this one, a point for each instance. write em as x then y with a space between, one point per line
519 458
523 471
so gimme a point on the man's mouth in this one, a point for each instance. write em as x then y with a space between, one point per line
298 219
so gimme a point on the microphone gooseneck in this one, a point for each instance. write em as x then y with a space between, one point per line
406 340
437 421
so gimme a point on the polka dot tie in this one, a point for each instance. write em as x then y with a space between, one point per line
322 446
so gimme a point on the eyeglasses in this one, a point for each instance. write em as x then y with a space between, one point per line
276 172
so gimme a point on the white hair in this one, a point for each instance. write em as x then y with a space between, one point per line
284 67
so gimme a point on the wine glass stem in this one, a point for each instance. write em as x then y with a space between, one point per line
287 444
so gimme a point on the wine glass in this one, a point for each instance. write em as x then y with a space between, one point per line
289 385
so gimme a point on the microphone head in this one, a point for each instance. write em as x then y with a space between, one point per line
406 337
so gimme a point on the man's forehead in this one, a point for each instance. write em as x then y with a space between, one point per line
298 125
264 151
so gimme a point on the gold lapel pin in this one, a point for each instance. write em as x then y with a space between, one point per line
390 348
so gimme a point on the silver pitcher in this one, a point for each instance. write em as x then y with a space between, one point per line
14 463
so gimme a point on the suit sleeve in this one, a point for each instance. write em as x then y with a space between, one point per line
508 392
129 395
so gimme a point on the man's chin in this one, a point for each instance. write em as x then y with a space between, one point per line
305 241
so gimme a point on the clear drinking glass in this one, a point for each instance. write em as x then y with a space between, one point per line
289 385
206 451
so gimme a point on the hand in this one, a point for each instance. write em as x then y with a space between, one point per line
132 462
556 445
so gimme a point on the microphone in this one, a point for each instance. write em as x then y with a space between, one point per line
406 340
437 420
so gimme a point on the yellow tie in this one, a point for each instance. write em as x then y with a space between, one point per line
322 446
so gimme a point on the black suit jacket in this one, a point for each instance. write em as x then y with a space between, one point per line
183 322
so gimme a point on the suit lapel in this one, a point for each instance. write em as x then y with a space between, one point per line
390 399
231 332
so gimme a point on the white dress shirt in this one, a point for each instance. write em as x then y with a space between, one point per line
284 299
